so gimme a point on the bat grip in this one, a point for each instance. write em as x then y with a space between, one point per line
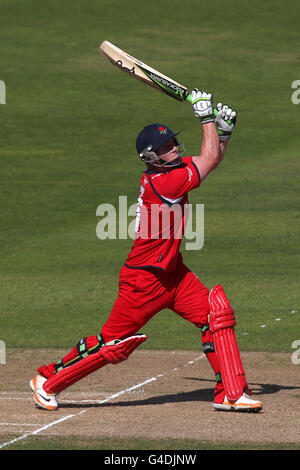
188 97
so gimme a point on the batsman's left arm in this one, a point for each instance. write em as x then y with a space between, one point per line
223 148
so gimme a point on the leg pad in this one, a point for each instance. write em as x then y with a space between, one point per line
222 322
113 352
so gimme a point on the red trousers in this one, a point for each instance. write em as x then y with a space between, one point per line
144 293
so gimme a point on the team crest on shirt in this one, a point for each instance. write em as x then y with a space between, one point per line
162 130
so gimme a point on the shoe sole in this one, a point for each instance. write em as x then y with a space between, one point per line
38 403
230 407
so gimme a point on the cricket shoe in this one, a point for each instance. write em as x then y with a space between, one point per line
244 403
42 399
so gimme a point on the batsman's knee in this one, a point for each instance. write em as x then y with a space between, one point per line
221 312
118 350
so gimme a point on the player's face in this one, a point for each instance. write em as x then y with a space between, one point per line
168 151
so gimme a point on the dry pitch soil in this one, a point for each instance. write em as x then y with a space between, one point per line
117 401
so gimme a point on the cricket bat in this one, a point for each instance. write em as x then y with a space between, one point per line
146 74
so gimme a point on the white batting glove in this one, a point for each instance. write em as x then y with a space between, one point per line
225 119
202 104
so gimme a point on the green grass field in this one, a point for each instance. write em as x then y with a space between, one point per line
42 444
67 145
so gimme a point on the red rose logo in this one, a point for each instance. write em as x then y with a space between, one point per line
162 130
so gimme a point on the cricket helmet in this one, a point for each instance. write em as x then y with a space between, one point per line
151 138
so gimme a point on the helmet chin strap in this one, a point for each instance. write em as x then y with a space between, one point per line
151 158
169 164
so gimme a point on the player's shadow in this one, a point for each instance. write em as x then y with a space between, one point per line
200 395
259 388
196 395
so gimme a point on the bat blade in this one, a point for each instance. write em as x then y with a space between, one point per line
146 74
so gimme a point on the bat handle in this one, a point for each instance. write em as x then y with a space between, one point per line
188 97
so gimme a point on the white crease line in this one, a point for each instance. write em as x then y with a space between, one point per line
111 397
24 436
116 395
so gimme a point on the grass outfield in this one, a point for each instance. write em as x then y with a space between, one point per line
80 443
68 144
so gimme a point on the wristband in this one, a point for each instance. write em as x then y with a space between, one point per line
207 119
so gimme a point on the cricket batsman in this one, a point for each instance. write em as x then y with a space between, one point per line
154 276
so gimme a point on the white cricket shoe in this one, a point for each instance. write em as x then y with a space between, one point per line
244 403
42 399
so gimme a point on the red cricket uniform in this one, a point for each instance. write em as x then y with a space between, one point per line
154 276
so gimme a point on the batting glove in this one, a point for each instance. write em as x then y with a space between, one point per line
202 104
225 119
